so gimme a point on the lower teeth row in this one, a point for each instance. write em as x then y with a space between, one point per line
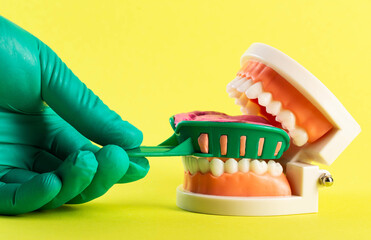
217 167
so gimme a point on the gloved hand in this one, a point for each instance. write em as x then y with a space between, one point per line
47 116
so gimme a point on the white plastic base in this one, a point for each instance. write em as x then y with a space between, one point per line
303 179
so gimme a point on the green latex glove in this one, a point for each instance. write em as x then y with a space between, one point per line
47 116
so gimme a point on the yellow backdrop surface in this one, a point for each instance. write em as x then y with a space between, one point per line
148 60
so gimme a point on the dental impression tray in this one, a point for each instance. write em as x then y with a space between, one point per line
254 168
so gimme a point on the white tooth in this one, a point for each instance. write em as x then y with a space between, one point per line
244 110
299 136
229 85
203 165
254 91
244 165
193 165
231 166
265 98
274 107
185 164
229 88
287 118
217 167
242 100
274 168
243 87
238 83
250 108
188 162
234 94
258 167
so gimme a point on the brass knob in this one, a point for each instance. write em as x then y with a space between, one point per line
326 180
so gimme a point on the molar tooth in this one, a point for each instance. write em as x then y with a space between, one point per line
287 118
265 98
274 107
193 165
188 163
203 165
242 100
250 108
217 167
254 91
244 165
299 136
231 166
274 168
185 163
243 87
258 167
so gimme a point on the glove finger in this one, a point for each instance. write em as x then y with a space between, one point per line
80 107
17 175
66 140
76 173
113 162
138 169
45 162
70 140
18 198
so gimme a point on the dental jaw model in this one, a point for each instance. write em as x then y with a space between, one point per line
261 163
272 85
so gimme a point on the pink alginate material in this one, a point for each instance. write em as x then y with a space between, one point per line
212 116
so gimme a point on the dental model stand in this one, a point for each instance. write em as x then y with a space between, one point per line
304 180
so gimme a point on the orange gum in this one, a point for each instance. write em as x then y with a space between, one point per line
237 184
307 115
203 142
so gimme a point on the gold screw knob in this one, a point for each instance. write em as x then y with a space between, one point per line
326 180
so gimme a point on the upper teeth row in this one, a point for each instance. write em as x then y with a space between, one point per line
243 88
217 167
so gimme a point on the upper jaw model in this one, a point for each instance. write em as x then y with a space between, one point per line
287 96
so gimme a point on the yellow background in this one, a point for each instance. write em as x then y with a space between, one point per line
148 60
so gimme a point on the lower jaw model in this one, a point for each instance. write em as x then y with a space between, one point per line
235 177
279 92
231 176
